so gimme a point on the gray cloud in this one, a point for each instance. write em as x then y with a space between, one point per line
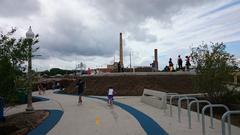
72 37
128 14
128 11
18 8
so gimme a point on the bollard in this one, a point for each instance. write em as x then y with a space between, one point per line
179 105
227 114
198 114
182 95
203 115
1 109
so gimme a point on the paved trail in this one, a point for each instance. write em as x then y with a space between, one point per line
95 117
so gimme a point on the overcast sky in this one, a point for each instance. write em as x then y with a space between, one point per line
74 31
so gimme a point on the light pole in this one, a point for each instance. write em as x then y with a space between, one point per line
29 38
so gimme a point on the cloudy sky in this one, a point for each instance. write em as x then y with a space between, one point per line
74 31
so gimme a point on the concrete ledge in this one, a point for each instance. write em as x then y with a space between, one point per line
156 99
143 73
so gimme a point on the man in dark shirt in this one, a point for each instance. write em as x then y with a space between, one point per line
80 85
179 62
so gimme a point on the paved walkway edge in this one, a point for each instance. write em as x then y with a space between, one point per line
147 123
48 123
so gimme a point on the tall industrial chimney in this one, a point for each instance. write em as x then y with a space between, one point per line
156 59
121 50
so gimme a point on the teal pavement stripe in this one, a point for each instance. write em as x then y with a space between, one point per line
48 123
148 124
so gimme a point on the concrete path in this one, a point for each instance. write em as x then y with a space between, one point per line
95 117
171 124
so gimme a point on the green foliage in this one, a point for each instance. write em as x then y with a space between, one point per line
214 71
13 54
55 71
7 77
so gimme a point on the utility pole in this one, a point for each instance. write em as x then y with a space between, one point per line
130 59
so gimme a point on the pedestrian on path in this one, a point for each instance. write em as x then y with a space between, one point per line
40 88
80 85
44 87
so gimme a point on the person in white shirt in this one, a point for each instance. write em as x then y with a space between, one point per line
111 92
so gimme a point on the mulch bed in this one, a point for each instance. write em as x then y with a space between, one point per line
22 123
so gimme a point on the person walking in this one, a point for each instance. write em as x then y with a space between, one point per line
179 62
44 87
40 88
80 85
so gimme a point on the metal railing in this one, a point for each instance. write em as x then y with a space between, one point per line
182 95
211 106
179 105
227 114
198 114
203 116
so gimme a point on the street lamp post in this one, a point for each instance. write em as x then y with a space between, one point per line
29 37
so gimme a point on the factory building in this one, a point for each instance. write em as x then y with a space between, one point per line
154 65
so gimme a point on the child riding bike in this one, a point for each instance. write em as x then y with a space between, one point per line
111 92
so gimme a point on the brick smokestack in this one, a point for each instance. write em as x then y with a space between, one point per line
121 50
156 59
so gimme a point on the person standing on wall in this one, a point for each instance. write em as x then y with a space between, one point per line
179 62
80 85
170 65
188 64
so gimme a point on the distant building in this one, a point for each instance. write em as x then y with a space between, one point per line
143 69
154 65
121 50
113 66
104 70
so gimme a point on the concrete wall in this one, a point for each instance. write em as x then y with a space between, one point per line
133 85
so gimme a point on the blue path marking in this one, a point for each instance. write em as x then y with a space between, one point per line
48 123
150 126
39 99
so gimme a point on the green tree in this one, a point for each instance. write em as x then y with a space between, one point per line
13 54
55 71
214 72
7 77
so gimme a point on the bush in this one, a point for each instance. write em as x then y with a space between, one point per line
214 72
13 54
7 77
